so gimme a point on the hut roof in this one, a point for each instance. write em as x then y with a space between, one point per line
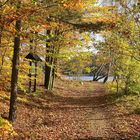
33 56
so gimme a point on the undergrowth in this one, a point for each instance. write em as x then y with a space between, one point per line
130 100
6 128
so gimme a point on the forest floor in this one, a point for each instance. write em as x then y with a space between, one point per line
76 111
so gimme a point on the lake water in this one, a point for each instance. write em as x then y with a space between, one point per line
85 78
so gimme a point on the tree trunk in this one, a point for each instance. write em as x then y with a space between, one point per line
101 77
54 68
117 88
1 30
35 80
126 88
30 76
108 72
97 72
50 65
105 80
53 77
47 76
4 52
14 77
47 61
30 69
55 59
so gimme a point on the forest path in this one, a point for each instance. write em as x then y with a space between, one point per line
90 104
77 111
94 115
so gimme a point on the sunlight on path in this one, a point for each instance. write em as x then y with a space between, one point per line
99 125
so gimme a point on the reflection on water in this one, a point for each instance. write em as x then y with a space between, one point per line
85 78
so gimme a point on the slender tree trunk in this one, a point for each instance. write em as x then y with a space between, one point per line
105 80
126 89
108 72
14 77
35 76
47 76
117 88
35 81
100 77
54 69
98 72
55 51
1 30
30 76
51 63
3 54
30 69
53 77
47 67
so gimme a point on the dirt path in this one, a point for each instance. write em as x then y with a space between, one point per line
91 112
93 103
77 112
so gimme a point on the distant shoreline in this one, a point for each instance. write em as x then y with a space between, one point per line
84 78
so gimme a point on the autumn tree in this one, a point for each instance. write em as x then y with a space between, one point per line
15 65
121 50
